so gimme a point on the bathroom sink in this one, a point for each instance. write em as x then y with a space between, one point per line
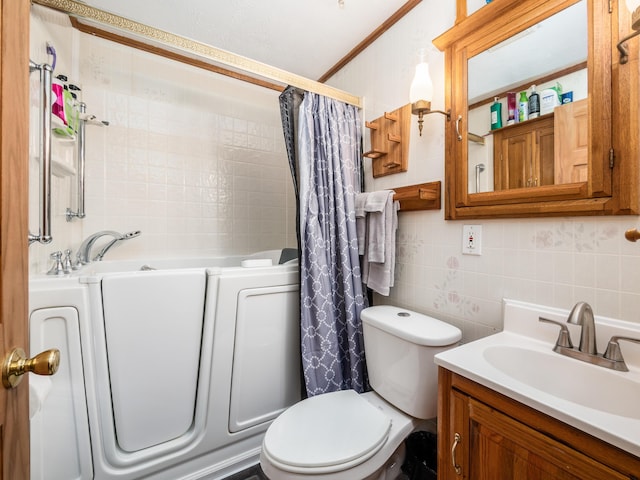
572 380
519 362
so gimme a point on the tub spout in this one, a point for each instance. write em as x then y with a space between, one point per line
84 252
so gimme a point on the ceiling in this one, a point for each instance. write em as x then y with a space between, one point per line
305 37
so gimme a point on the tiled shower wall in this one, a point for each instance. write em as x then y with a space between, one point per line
556 261
193 159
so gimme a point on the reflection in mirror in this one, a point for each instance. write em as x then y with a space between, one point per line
549 147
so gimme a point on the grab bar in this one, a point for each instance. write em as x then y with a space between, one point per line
81 163
44 233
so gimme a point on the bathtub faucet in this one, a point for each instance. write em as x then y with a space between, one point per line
84 252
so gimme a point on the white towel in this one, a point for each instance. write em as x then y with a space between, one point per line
377 205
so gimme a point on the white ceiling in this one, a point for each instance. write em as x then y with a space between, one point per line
306 37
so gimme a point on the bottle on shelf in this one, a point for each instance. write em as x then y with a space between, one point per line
534 103
496 114
523 107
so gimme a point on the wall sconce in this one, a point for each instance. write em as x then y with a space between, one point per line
421 91
634 8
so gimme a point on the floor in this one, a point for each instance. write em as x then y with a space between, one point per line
256 473
251 473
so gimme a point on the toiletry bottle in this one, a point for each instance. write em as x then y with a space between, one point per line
534 103
512 108
58 119
496 114
523 107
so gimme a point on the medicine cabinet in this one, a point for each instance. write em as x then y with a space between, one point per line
577 159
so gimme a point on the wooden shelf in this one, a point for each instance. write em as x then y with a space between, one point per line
423 196
390 142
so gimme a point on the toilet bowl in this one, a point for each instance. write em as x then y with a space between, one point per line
349 436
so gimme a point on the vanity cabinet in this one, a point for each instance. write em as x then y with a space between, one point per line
484 435
524 154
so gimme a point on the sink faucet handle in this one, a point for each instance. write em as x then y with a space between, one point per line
564 338
613 352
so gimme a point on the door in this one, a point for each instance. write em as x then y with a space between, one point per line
14 158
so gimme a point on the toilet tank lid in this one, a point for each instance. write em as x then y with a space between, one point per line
411 326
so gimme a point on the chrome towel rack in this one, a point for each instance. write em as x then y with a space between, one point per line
81 166
44 233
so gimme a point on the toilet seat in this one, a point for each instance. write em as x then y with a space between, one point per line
326 433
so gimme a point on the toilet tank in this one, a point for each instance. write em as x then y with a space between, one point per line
399 349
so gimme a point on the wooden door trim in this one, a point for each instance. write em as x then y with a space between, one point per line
14 169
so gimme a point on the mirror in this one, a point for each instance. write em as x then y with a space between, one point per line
550 57
564 160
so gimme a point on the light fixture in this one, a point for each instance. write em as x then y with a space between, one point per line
634 8
421 91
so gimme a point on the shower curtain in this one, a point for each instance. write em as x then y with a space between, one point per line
323 138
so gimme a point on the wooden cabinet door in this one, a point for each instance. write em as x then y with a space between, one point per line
524 154
513 153
543 170
572 142
502 448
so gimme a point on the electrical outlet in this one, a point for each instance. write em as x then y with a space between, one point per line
472 240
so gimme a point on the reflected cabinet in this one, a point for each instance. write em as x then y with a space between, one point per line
542 83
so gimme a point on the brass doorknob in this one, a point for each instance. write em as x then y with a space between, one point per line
16 364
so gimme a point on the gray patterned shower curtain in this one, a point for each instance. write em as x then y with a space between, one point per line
323 139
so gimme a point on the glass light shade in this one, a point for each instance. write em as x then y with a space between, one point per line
421 86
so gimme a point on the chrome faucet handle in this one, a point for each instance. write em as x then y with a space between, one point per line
57 267
564 337
66 263
614 353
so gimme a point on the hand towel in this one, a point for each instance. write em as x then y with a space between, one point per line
378 206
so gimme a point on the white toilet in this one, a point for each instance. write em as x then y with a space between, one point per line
347 436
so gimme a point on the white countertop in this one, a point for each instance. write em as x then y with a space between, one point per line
602 402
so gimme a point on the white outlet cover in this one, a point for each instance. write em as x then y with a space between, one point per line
472 240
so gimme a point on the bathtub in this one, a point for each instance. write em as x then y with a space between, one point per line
170 368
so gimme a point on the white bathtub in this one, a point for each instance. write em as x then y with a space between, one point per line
170 373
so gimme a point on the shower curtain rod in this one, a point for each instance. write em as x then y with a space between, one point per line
194 49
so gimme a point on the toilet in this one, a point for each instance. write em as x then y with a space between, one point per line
349 436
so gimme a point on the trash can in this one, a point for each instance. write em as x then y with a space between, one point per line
421 460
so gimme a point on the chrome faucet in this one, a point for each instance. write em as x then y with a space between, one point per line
83 256
582 314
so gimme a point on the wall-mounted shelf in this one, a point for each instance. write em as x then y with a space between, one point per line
423 196
389 152
475 138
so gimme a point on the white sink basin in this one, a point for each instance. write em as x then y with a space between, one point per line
519 362
564 377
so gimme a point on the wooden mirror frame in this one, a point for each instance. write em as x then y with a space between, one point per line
614 132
